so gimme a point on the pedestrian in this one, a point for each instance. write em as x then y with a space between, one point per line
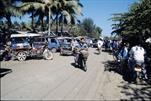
123 57
99 45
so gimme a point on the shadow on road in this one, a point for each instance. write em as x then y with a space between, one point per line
75 66
112 66
66 55
133 92
107 51
138 93
97 53
4 71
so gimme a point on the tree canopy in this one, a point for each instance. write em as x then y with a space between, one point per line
134 25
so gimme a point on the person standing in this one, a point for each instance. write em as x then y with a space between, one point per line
99 45
122 58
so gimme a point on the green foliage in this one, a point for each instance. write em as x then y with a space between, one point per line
135 24
7 10
63 13
87 28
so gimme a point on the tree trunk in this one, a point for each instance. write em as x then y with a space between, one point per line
8 17
32 22
57 23
42 23
62 25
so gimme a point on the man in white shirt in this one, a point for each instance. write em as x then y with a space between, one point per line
137 53
99 44
137 56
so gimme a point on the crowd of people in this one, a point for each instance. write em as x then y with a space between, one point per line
124 54
128 56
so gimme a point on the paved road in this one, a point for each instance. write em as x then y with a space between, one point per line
58 79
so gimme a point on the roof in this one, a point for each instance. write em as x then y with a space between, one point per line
25 35
64 37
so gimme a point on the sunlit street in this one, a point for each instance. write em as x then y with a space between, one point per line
75 50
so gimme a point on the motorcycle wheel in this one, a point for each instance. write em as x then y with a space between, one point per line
54 50
83 65
99 51
48 55
21 56
137 78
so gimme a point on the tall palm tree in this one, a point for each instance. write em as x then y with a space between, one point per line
43 10
70 10
66 11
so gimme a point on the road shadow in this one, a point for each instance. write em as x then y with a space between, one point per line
68 55
107 51
4 71
97 53
112 66
134 91
34 58
76 66
137 93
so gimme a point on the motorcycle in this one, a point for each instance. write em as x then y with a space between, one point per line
81 59
99 50
138 72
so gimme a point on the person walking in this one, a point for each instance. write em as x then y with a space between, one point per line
99 45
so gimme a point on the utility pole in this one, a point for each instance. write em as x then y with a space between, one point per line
49 5
49 22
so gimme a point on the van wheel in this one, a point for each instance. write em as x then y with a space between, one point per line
47 54
21 56
54 50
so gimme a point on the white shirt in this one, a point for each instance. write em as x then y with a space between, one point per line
100 43
91 42
137 53
74 43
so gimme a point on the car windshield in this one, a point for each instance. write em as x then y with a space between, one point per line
39 39
53 41
20 39
67 40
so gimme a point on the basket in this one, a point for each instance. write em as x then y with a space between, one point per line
85 53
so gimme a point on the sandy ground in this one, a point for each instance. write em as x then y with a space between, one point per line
58 79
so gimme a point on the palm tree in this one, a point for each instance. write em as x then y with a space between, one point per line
134 24
71 9
30 7
46 8
66 11
8 9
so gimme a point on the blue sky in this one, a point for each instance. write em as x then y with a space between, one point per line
101 10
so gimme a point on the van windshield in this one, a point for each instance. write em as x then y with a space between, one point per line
20 40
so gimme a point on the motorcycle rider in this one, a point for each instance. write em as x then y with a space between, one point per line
82 46
137 56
